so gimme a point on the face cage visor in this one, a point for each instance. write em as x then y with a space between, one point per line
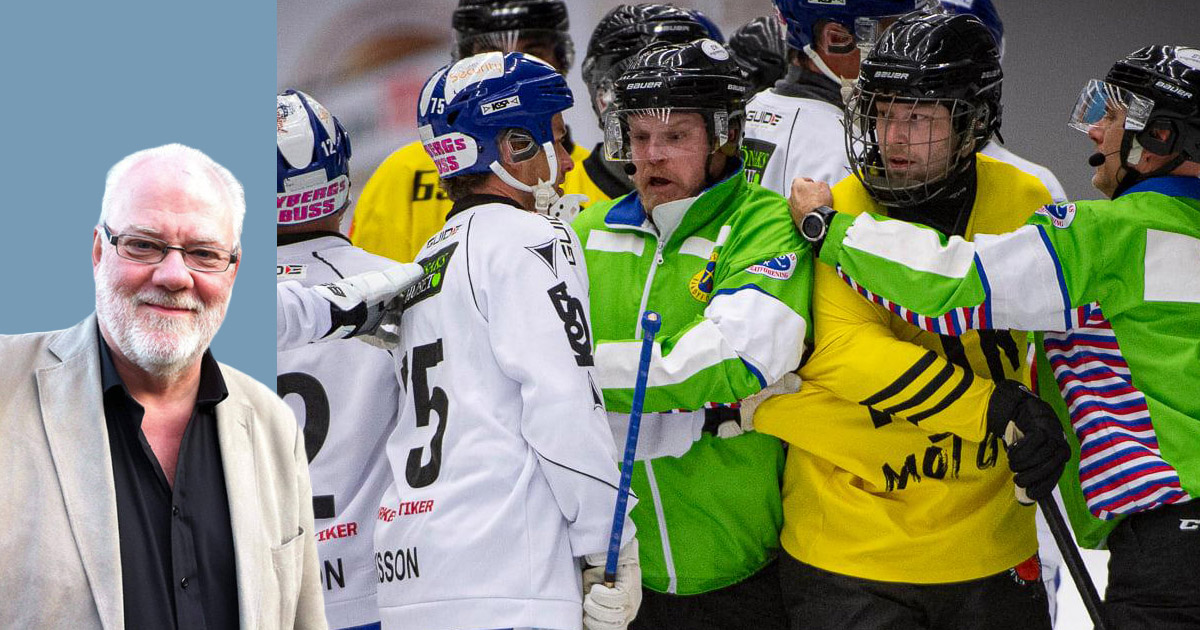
664 133
604 88
553 47
907 151
1101 102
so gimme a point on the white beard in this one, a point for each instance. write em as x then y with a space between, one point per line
160 345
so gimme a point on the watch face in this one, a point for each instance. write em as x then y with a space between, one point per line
813 226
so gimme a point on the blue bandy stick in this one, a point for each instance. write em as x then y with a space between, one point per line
651 322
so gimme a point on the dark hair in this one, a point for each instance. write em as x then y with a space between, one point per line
458 187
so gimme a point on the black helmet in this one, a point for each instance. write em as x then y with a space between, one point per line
487 25
1170 77
944 59
760 49
699 77
624 31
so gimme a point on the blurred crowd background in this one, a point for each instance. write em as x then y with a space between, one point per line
367 59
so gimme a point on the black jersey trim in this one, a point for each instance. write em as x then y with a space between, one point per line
921 396
317 255
470 201
467 253
576 470
967 378
905 380
300 237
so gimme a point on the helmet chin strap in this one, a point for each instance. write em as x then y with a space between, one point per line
544 193
1131 155
846 85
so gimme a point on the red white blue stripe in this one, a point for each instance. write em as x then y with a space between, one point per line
1121 468
954 323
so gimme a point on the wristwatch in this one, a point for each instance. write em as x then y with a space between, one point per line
815 225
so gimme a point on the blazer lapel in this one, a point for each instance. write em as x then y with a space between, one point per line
250 550
73 414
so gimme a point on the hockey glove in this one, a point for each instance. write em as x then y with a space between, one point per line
1037 449
612 608
368 305
789 383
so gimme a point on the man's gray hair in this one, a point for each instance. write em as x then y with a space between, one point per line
183 153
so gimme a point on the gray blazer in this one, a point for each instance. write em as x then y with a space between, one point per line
60 566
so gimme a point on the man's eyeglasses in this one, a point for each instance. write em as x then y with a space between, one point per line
151 251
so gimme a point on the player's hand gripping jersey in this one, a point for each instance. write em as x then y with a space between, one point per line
1120 279
346 395
890 474
503 463
731 279
402 204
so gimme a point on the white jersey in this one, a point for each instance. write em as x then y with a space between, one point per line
1000 152
789 137
346 395
503 459
301 316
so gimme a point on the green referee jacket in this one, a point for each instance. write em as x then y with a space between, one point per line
732 281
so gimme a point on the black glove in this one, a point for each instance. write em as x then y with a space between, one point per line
1040 452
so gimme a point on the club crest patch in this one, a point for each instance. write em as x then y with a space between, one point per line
432 281
701 284
1061 215
779 267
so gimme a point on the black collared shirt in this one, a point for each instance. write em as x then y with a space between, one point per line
177 564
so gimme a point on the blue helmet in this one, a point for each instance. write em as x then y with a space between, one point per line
465 106
313 160
985 11
802 16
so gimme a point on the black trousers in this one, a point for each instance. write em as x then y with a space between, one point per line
755 603
1154 570
819 600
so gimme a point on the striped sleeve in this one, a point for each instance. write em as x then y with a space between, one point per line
947 286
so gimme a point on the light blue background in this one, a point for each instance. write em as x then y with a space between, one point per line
85 84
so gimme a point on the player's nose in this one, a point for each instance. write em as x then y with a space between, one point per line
172 274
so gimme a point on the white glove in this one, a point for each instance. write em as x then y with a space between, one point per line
368 306
729 429
567 207
612 608
789 383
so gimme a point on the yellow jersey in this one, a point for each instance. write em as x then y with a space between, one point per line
402 205
890 474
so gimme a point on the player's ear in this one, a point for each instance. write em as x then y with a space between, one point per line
1159 137
97 246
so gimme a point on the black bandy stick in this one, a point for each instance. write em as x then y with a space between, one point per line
1065 541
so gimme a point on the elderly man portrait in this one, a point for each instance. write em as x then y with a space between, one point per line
145 485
